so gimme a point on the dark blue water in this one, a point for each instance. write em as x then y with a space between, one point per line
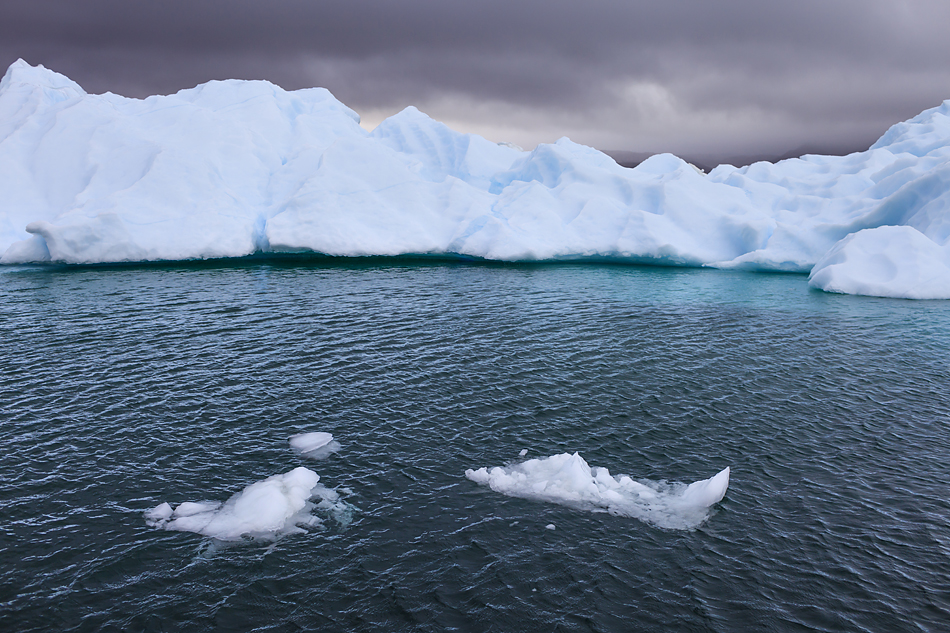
121 388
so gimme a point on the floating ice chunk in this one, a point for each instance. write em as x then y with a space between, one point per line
314 445
523 452
306 442
888 261
550 526
568 480
265 509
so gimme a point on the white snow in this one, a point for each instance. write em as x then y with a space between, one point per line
231 168
568 480
265 509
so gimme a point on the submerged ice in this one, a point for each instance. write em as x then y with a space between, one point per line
568 480
231 168
266 509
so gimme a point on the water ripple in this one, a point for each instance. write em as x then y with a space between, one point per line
123 387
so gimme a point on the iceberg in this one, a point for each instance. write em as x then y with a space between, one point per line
567 479
232 168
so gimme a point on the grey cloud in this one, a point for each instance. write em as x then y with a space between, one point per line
680 75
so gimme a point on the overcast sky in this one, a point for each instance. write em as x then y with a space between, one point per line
692 77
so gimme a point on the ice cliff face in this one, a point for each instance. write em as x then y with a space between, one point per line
231 168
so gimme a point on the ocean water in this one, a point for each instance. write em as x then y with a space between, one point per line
125 387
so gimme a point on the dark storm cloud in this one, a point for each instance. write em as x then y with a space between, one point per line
743 76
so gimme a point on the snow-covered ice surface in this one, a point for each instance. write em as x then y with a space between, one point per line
568 480
231 168
266 509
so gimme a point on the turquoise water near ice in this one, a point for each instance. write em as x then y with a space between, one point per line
123 387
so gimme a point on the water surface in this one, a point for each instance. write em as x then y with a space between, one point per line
122 387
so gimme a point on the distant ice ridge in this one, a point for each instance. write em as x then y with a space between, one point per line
266 509
568 480
230 168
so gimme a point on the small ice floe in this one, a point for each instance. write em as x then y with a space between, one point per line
568 480
266 509
550 526
523 452
316 445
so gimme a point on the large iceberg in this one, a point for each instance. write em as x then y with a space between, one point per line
231 168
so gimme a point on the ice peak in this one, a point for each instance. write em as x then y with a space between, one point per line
411 112
409 118
21 72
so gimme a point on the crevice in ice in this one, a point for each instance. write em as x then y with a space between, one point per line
260 239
